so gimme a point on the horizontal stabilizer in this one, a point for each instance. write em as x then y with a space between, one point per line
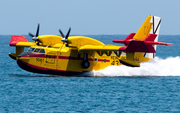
150 37
87 48
146 45
158 43
150 40
126 40
138 46
17 38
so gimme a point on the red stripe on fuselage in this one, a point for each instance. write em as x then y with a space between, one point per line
62 57
35 55
103 60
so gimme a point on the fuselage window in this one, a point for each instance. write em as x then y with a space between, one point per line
42 51
31 49
37 50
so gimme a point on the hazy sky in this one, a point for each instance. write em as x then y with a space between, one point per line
86 17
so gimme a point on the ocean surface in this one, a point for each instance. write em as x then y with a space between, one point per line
152 88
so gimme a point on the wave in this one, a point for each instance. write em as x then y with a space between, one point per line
156 67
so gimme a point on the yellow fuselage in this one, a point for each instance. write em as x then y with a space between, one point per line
65 59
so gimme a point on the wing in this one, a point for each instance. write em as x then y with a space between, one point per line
107 49
88 48
24 44
20 41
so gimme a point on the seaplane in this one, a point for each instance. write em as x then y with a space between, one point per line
73 55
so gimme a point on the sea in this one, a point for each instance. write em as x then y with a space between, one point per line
152 88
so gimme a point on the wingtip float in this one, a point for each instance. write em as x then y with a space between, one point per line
71 55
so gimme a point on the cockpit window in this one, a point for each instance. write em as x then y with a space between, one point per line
42 51
31 49
37 50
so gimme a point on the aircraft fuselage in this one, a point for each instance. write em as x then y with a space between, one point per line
65 61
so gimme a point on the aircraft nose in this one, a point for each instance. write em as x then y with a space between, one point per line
24 54
23 57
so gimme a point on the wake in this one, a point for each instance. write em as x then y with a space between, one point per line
157 67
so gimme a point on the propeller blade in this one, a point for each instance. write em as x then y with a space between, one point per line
68 33
61 33
31 35
37 33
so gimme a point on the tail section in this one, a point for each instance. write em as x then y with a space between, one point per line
145 29
141 46
150 26
156 21
148 31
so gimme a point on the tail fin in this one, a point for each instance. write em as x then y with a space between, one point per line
150 26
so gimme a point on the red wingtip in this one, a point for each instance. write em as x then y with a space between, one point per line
17 38
169 44
157 43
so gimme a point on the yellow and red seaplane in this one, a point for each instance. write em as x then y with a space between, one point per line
72 55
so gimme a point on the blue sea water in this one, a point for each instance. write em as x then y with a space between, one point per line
154 87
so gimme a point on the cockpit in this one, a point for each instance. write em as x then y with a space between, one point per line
33 51
36 50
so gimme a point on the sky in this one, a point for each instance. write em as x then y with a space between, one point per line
86 17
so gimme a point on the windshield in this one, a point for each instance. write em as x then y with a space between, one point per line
42 51
36 50
31 49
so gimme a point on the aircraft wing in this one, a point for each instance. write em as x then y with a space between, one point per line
24 44
20 41
87 48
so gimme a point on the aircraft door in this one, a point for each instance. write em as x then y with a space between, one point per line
51 61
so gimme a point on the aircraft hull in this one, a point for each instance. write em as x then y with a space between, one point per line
41 70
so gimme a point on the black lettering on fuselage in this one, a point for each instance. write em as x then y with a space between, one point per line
39 60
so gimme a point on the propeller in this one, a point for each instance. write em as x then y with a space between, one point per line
36 38
65 38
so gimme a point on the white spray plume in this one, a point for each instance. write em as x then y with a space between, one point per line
156 67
